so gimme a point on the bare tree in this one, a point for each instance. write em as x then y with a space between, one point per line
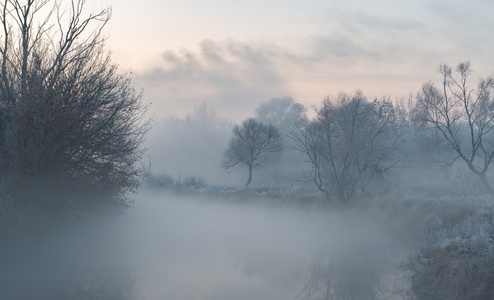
463 116
283 113
251 144
349 141
203 116
69 121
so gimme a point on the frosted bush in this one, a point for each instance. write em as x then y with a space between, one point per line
160 180
455 260
191 183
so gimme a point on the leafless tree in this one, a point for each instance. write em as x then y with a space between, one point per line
463 116
69 121
283 113
251 144
350 141
203 116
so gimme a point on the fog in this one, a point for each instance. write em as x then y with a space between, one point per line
198 247
195 146
279 238
252 194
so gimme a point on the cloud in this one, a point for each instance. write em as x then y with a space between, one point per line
387 50
463 28
359 37
235 76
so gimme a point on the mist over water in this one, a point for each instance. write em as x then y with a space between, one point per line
216 250
317 197
197 247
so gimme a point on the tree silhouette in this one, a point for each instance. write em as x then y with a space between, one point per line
251 144
70 125
463 116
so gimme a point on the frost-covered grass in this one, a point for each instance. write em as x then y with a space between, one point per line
451 242
455 258
287 190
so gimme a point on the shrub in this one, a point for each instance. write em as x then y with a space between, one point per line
191 183
160 180
455 260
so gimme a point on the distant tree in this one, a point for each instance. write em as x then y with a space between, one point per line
71 126
251 144
350 141
283 113
463 117
204 116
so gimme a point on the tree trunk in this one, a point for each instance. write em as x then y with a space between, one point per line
250 176
342 197
487 186
481 174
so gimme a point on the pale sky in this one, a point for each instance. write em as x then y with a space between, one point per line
235 55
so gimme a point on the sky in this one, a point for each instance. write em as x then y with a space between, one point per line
235 55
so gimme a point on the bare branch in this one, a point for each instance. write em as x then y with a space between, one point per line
462 115
68 117
251 144
350 141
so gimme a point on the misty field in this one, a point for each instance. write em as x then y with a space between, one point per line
196 246
262 170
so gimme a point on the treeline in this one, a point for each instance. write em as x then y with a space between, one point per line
353 148
351 141
348 146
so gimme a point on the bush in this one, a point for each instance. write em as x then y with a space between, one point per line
191 183
166 181
455 260
160 180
